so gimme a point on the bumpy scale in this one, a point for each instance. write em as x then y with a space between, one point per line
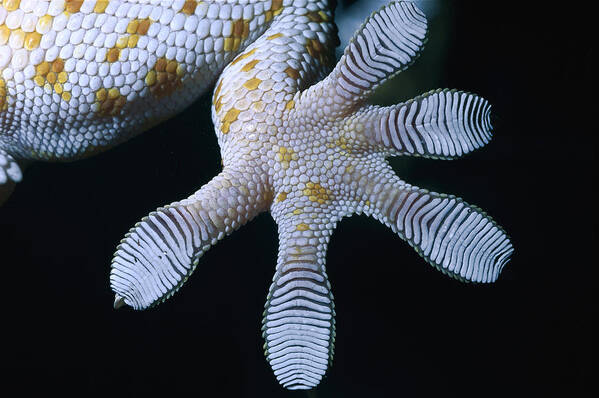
311 156
80 76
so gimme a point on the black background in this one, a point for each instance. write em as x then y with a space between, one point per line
403 329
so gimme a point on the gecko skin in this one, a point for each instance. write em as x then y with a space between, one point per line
309 153
80 76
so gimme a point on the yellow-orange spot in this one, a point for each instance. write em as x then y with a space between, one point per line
317 46
218 104
32 40
144 26
250 65
113 93
39 80
231 115
319 16
290 105
228 45
110 101
132 42
272 37
73 6
151 78
100 6
244 56
236 43
4 34
57 65
51 77
43 68
316 193
113 54
66 96
276 6
62 77
282 196
3 97
317 50
225 127
132 26
189 7
238 28
303 227
171 67
160 64
252 84
11 5
268 16
292 73
58 88
218 88
297 211
165 77
101 94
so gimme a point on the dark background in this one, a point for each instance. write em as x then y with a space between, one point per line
403 329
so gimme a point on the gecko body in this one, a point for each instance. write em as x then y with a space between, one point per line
296 135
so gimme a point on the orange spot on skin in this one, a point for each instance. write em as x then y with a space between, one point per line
250 65
11 5
32 40
225 127
43 68
165 77
160 64
144 26
252 84
113 54
4 34
303 227
243 56
276 5
3 96
272 37
110 102
282 196
231 115
73 6
238 28
292 73
51 77
58 65
132 42
189 7
100 6
228 45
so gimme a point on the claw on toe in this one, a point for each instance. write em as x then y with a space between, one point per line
118 302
